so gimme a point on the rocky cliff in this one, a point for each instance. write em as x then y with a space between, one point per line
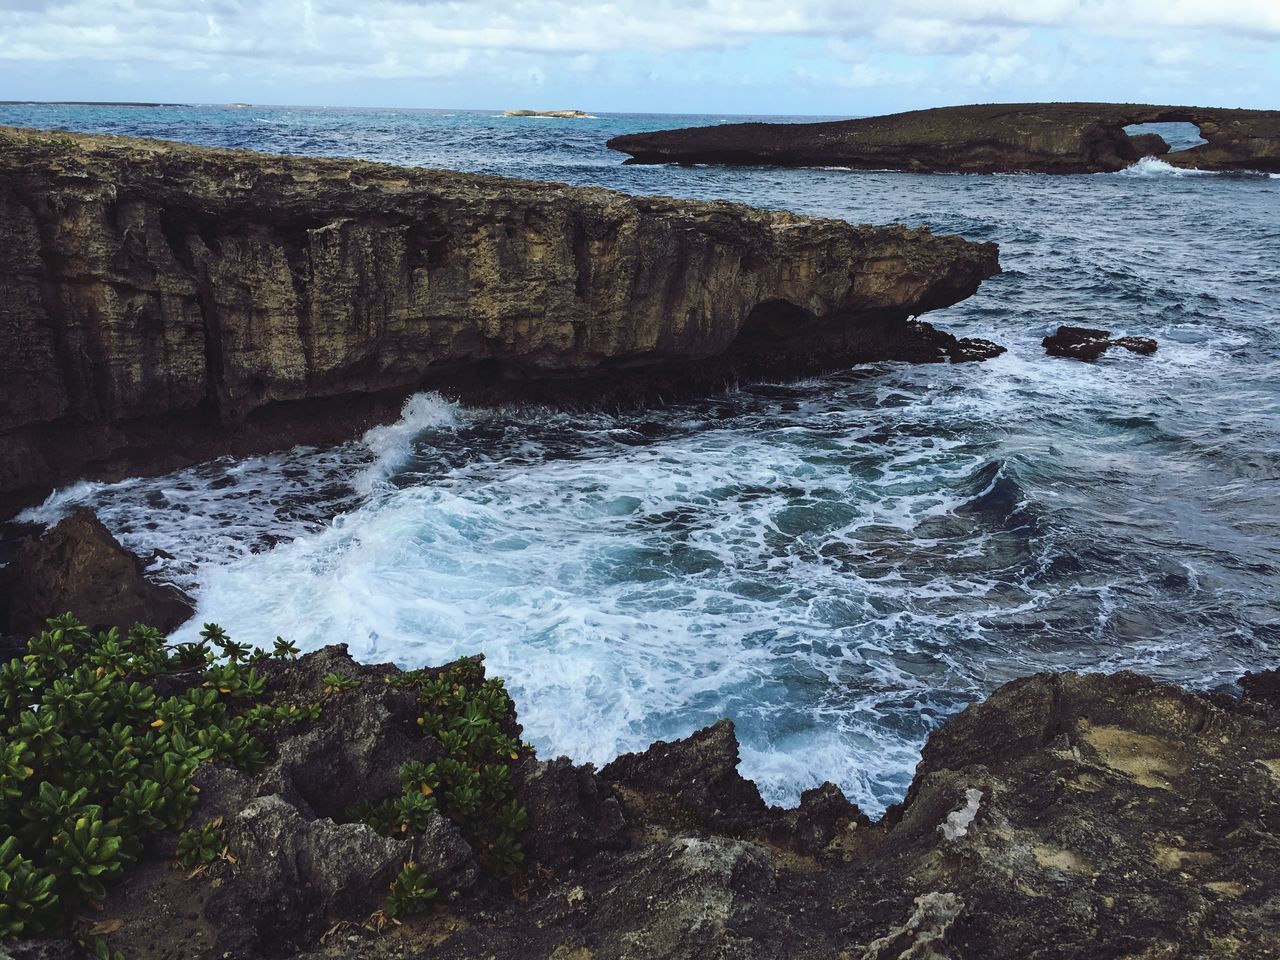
161 304
988 138
1066 817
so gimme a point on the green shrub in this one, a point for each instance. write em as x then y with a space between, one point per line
471 783
93 760
200 846
411 892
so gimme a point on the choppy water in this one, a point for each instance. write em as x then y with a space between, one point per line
837 563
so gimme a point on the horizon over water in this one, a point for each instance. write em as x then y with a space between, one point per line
837 563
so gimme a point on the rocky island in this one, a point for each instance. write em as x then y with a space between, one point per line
162 303
987 138
552 114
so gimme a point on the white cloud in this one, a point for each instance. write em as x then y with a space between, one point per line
968 43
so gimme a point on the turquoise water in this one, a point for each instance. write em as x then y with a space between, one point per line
836 563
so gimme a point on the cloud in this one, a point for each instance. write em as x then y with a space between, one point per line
971 43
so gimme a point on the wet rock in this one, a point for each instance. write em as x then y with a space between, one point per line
571 812
694 781
1139 345
1086 343
1262 687
79 566
1149 144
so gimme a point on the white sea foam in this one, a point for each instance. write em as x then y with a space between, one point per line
392 444
1155 167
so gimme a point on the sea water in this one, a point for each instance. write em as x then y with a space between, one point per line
837 563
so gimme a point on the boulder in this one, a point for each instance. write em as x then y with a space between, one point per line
78 566
1087 343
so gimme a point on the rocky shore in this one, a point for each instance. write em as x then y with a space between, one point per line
161 304
985 138
1066 816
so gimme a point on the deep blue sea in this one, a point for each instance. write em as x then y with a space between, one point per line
837 563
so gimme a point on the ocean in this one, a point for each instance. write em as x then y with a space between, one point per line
837 563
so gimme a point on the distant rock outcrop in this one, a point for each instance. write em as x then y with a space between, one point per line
987 138
161 303
553 114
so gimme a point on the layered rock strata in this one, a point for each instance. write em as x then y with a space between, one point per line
985 138
161 303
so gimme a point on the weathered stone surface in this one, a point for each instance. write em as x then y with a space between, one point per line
572 814
78 565
985 138
162 303
694 781
1068 816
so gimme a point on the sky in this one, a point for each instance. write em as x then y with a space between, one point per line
808 57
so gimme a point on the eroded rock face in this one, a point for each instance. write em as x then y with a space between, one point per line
162 303
78 565
986 138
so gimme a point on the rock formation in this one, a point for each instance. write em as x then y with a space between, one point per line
1087 343
160 303
1067 816
988 138
78 565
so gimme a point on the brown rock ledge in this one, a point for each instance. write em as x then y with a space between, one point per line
983 138
1067 816
163 303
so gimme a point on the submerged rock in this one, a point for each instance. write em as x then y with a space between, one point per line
165 303
78 565
1087 343
983 138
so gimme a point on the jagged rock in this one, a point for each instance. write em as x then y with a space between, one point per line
164 303
79 566
1263 686
694 781
823 816
294 876
1087 343
983 138
571 814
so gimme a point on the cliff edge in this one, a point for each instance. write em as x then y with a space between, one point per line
162 303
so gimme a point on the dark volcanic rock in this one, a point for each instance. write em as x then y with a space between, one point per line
985 138
1066 818
1086 343
572 814
79 566
163 303
688 782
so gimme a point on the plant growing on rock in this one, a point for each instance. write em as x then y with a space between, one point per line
201 846
411 892
93 759
470 783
